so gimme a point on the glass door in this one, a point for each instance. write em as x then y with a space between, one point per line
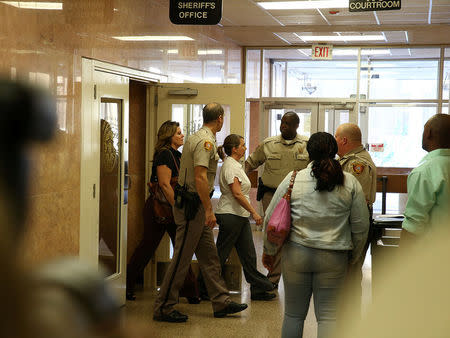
189 116
110 193
333 115
307 113
104 175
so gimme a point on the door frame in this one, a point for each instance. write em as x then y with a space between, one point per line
90 164
335 107
161 98
317 106
167 94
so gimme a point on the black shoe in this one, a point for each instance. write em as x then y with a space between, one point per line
232 307
129 295
194 300
173 317
263 296
204 296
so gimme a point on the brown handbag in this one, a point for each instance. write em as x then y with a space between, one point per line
162 210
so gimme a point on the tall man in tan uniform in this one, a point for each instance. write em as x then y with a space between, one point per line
356 160
195 220
281 154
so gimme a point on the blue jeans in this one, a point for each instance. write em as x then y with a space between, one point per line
309 271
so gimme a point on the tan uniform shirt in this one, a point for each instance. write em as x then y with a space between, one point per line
280 157
359 163
199 150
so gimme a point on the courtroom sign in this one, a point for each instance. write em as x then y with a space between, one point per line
374 5
322 52
195 12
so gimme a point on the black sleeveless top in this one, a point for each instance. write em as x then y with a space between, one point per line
165 158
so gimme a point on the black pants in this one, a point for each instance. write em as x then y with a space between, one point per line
235 231
153 233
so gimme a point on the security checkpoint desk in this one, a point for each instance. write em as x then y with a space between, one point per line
386 228
385 240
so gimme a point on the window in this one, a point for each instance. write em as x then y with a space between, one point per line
304 115
278 79
253 73
321 78
400 73
397 130
446 76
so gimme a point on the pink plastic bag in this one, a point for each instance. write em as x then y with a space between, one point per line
279 224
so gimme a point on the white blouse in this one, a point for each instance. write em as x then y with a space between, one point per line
227 203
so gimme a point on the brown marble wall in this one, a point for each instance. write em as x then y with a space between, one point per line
46 47
136 195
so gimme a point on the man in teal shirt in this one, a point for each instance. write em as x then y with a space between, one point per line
428 202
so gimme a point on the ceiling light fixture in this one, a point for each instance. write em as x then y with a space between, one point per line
304 4
35 5
210 52
342 37
153 38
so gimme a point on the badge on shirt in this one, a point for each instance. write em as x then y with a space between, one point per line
358 168
208 145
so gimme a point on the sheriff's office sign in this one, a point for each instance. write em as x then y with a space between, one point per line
195 12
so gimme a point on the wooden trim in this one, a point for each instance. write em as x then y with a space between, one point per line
396 179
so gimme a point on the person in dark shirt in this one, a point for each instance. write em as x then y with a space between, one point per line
165 171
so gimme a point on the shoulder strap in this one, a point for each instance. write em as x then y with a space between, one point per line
175 162
287 196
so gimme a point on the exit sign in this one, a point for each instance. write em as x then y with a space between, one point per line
322 52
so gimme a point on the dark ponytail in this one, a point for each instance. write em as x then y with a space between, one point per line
230 142
322 149
221 152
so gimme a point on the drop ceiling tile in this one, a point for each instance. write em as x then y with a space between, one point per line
246 13
302 20
394 18
256 38
395 37
440 2
443 16
291 37
347 18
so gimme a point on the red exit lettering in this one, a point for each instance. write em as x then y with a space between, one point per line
322 52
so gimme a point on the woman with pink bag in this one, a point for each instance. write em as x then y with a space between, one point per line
329 226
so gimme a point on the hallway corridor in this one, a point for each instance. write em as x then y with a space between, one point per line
261 319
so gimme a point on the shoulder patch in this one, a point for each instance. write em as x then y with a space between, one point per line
208 146
270 139
358 168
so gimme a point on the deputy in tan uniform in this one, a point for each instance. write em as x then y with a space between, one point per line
195 220
281 154
356 160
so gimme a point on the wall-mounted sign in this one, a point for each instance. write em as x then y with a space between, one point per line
322 52
195 12
374 5
377 147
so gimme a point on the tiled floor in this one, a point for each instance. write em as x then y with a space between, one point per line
261 319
